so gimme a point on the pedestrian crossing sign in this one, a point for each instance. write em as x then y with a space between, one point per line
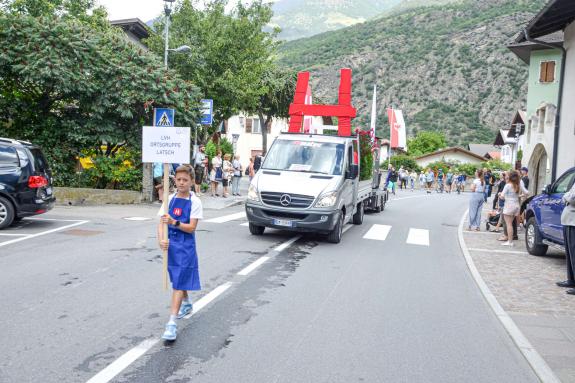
163 117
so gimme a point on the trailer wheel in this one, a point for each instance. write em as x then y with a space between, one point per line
256 230
358 216
335 235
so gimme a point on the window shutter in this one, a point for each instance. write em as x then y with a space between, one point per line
248 125
543 71
550 71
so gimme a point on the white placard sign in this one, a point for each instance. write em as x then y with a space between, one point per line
169 145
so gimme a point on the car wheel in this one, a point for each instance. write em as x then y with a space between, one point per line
533 240
256 230
7 213
358 216
335 235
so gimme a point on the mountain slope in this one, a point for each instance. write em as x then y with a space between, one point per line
446 66
303 18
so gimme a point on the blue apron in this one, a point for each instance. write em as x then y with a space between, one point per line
182 257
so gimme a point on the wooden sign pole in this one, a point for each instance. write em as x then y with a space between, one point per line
166 211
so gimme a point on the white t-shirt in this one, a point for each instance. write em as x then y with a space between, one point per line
197 210
478 187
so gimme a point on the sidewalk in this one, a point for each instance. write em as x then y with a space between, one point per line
217 203
525 287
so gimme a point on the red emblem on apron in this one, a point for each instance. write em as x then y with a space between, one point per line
177 212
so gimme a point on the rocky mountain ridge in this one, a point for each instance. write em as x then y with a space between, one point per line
446 66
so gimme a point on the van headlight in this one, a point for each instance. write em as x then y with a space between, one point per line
253 193
327 199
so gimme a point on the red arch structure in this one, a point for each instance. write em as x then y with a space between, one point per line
344 111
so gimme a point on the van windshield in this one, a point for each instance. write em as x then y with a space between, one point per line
305 156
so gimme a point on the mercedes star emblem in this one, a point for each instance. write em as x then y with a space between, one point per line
285 200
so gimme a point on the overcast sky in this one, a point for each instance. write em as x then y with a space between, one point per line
143 9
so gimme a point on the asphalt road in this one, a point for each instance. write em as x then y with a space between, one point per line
401 307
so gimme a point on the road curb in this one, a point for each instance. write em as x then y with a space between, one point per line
537 363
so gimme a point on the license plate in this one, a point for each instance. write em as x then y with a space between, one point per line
48 191
282 222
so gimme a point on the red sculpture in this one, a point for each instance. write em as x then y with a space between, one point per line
343 111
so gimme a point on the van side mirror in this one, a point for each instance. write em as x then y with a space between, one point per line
352 173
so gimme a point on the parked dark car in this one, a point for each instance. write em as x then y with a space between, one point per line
25 181
543 216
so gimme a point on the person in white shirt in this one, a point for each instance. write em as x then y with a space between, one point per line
217 174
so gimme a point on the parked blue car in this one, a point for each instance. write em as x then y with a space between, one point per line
543 216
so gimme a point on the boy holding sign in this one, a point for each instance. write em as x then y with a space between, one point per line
184 211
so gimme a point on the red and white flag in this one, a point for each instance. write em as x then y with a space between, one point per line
397 126
373 116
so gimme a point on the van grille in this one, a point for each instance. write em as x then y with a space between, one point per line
295 200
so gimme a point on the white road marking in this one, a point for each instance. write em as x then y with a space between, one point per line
30 236
378 232
49 219
253 266
13 235
137 219
124 361
227 218
418 237
208 298
497 251
245 224
287 244
120 364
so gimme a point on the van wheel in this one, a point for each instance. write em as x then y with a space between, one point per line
358 216
533 239
256 230
7 213
335 235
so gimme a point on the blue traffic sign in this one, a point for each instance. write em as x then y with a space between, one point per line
163 117
207 111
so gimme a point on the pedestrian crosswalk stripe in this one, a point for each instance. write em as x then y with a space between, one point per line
378 232
418 237
227 218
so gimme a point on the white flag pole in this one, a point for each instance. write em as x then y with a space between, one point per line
373 114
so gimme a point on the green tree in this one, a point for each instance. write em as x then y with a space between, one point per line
401 160
426 142
278 87
230 52
68 85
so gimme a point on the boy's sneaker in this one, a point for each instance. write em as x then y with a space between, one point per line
185 309
171 330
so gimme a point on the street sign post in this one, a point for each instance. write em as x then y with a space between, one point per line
165 146
207 111
163 117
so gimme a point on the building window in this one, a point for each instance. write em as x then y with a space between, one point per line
541 122
256 127
547 71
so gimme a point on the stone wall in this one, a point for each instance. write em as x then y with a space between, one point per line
82 196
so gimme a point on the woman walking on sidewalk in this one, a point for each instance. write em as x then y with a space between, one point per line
476 201
510 195
184 211
568 222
